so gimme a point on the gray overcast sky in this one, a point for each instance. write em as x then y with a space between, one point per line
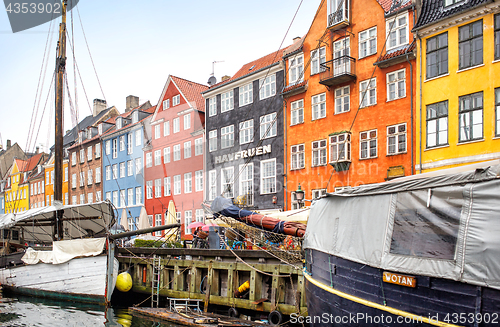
135 45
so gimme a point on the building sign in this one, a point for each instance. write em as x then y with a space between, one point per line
258 151
400 279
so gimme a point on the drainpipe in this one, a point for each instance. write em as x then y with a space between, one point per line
285 132
420 106
411 113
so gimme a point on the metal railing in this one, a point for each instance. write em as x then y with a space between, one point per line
337 67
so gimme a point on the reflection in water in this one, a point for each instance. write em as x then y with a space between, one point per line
30 311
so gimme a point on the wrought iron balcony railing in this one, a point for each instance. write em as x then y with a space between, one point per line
338 71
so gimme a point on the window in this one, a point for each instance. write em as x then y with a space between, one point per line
138 195
212 140
188 218
82 179
298 156
119 123
149 160
176 100
318 106
451 2
97 150
268 126
130 168
295 69
177 125
227 102
138 137
227 137
130 223
166 128
212 106
166 186
318 57
89 153
470 45
122 143
115 198
341 59
115 148
368 42
178 217
73 158
129 143
157 157
437 55
297 112
368 93
212 184
227 182
368 144
246 131
246 183
90 178
98 175
437 124
73 199
115 171
158 223
177 152
177 185
188 182
497 36
47 178
396 139
187 149
199 215
316 194
97 196
90 198
138 166
108 173
157 187
166 104
267 87
130 196
82 156
340 147
396 82
198 147
397 31
497 112
122 169
198 180
246 94
149 189
187 121
82 199
166 155
470 117
73 181
268 176
342 99
319 153
157 131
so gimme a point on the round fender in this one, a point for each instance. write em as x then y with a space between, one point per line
233 312
275 318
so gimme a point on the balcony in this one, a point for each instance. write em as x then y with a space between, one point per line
338 71
338 16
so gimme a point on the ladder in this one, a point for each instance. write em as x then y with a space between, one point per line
155 282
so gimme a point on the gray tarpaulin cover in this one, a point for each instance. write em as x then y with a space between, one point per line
444 226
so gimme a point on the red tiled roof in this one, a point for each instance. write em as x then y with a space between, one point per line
294 86
393 5
30 164
192 91
407 49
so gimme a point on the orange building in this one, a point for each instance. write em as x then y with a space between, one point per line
49 182
349 97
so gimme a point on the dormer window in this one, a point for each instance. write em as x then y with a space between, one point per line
176 100
80 137
135 117
166 104
89 133
338 13
99 129
397 31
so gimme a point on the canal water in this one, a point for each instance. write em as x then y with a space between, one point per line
29 311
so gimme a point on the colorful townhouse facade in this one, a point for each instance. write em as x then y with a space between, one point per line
37 187
244 135
123 162
49 181
173 166
349 98
458 66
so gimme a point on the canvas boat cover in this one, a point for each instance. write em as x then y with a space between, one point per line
446 225
79 221
63 251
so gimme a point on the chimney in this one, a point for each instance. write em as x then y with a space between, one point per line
225 78
99 105
37 149
8 144
297 38
132 102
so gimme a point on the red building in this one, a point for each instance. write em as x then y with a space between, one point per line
173 165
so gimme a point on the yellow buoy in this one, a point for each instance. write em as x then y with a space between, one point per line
124 282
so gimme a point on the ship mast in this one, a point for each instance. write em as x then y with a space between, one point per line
58 152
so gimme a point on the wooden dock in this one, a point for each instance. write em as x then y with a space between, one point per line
214 275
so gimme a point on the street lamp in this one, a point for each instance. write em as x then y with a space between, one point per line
299 195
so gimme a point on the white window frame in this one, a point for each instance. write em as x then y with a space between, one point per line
149 159
396 84
138 165
138 135
296 69
212 184
298 156
177 152
187 149
227 182
227 137
395 134
370 99
89 153
394 35
212 140
157 131
188 182
342 99
90 177
176 99
317 193
149 189
265 180
166 128
130 168
122 142
318 57
130 196
267 87
108 173
246 94
187 121
212 106
176 125
370 140
246 131
166 104
227 101
157 154
177 185
158 223
246 187
158 188
138 195
318 106
265 121
297 112
188 219
122 170
115 148
97 175
198 146
319 153
367 38
198 180
167 191
340 147
115 171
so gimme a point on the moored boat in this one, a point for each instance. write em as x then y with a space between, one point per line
419 251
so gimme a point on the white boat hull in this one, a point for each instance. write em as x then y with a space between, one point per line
80 279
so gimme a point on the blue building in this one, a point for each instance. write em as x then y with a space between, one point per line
123 162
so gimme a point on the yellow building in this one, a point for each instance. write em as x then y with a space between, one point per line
458 83
49 182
